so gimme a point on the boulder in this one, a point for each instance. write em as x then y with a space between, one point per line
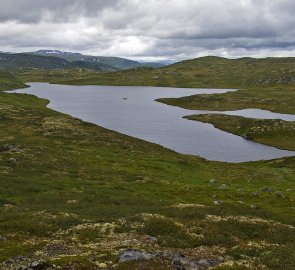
266 189
102 266
2 238
13 161
212 181
279 194
218 202
208 263
134 255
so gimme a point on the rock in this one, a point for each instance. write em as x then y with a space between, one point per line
255 194
152 239
223 187
2 238
133 255
289 190
218 202
179 261
208 263
212 181
279 194
38 265
266 189
9 147
6 147
102 266
8 205
13 161
204 263
24 263
178 266
72 201
253 207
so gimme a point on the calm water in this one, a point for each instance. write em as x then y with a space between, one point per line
133 111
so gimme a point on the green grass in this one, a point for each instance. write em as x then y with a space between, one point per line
8 81
280 99
98 192
277 133
203 72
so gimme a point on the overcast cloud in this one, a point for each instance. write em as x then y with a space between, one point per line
173 29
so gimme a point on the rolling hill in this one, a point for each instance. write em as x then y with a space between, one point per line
56 60
114 62
14 61
205 72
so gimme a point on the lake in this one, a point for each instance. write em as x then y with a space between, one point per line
134 111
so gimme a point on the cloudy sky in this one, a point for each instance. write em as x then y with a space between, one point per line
150 29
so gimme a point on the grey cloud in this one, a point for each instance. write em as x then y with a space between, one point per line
153 28
32 11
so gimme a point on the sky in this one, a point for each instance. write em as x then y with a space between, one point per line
150 29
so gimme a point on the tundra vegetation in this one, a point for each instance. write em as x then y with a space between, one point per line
77 196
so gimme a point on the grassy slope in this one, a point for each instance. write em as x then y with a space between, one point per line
279 99
18 61
277 133
202 72
8 81
113 62
68 173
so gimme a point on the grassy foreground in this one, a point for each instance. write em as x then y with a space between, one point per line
76 195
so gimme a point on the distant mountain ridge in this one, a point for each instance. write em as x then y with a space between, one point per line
58 60
113 62
11 61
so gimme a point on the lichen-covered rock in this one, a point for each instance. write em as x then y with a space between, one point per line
266 189
134 255
218 202
24 263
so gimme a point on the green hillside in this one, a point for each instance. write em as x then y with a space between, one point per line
204 72
16 61
12 62
116 63
8 81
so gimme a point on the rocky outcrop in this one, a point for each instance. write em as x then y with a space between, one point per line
178 261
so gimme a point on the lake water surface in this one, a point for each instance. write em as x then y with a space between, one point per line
134 111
